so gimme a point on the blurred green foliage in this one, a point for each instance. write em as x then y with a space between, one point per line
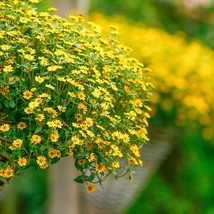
170 15
184 184
26 194
44 5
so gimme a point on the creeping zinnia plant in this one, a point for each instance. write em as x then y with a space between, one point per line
65 90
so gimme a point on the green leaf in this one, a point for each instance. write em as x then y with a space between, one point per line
12 104
91 177
79 179
6 103
69 112
78 166
38 129
79 156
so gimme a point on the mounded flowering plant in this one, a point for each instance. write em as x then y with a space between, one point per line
66 90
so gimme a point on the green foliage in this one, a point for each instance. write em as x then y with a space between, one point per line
173 16
184 184
27 193
44 5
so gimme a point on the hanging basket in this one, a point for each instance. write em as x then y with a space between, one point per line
117 194
66 89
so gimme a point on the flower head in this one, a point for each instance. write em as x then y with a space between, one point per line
28 94
41 161
91 187
35 139
22 161
21 125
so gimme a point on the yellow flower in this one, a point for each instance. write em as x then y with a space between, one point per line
61 108
33 89
5 127
51 124
45 166
114 87
4 90
8 68
34 1
40 117
62 79
49 86
52 9
116 134
39 79
137 103
71 94
17 143
28 94
41 160
100 167
96 93
76 140
89 122
35 139
28 110
132 161
51 111
43 61
5 47
91 157
54 67
52 153
82 108
125 138
33 105
91 187
70 152
2 32
81 96
90 133
29 57
24 20
83 126
45 95
8 172
22 161
54 136
116 165
78 117
58 124
135 150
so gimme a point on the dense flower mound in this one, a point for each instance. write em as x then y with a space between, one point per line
183 73
66 90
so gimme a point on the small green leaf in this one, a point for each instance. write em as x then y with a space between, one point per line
91 177
38 129
12 104
79 179
6 103
79 156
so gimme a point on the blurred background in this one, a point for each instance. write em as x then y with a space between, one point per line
175 39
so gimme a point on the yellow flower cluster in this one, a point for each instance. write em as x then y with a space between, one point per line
183 73
65 89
